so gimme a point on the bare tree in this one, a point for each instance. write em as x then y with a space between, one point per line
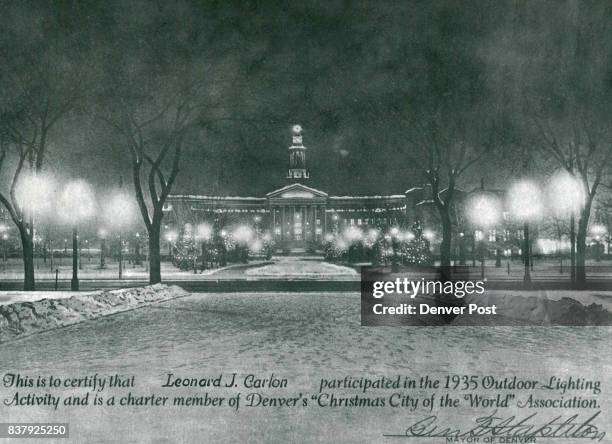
580 144
443 146
153 125
36 91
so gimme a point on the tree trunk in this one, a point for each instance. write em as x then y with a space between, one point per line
27 246
74 283
581 235
526 254
573 248
154 252
462 253
447 235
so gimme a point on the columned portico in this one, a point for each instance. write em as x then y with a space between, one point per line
301 208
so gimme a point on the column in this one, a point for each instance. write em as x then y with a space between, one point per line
324 219
283 218
273 223
314 221
304 219
292 223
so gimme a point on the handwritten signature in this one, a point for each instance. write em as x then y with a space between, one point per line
509 427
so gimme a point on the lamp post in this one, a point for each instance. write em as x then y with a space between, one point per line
353 236
243 235
80 253
222 248
4 235
51 252
171 237
78 205
137 260
5 244
525 203
484 211
566 196
598 231
394 245
120 256
102 234
203 234
119 213
462 248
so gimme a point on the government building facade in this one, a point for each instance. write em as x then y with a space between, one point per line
297 216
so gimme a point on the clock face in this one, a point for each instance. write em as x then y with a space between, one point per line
297 129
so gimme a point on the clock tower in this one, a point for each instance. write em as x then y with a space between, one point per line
297 156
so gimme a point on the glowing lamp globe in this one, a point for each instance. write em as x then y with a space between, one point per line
203 232
484 210
120 210
77 201
565 194
36 192
525 201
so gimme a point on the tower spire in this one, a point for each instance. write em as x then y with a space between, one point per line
297 156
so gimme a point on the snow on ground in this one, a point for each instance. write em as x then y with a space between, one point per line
299 336
18 319
301 269
585 297
13 297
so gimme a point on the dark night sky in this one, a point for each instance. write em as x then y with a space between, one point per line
341 69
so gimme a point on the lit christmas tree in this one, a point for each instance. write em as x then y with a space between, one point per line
187 251
416 251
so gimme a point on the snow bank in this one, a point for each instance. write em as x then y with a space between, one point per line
29 317
545 309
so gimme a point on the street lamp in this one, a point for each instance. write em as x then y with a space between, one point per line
78 205
203 234
102 234
4 235
393 237
525 204
35 192
119 214
429 235
137 260
484 211
566 196
171 237
598 231
243 235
